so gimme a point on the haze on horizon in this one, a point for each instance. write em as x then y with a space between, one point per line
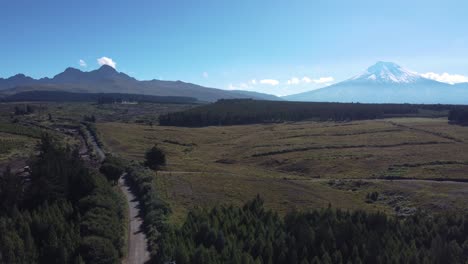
271 47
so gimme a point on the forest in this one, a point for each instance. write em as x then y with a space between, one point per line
247 111
100 98
253 234
60 211
459 116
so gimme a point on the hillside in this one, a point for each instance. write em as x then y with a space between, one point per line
107 80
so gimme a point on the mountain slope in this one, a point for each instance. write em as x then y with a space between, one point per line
107 80
259 96
387 82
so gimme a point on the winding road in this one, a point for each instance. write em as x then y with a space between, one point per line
137 242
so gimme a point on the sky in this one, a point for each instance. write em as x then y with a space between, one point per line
275 46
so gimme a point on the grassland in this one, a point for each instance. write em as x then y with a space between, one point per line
296 165
291 164
15 146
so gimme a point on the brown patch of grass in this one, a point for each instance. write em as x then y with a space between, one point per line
212 165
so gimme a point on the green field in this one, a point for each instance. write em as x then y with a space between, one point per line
291 164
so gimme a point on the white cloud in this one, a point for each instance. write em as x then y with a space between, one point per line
322 80
305 79
282 87
294 81
269 82
82 63
107 61
205 75
240 86
445 77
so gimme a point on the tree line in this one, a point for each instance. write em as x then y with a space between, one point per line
154 210
247 111
100 98
459 116
60 211
253 234
23 110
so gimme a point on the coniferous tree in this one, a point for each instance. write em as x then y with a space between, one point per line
155 158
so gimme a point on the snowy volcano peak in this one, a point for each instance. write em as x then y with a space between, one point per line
387 72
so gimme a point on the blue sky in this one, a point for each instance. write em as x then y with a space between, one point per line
254 45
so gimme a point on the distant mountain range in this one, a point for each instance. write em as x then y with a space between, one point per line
107 80
384 82
387 82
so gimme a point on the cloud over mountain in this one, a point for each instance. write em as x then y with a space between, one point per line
107 61
387 82
82 63
446 77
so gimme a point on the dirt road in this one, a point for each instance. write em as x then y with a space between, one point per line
137 242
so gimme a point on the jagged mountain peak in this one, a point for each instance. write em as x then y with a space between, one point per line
19 76
71 69
106 79
108 72
106 68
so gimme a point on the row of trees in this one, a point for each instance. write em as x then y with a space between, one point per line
246 111
24 110
459 116
252 234
100 98
60 212
154 210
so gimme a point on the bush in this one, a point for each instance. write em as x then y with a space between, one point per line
155 158
111 172
154 210
372 197
112 168
98 250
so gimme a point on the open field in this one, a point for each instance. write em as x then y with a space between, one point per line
295 165
291 164
13 147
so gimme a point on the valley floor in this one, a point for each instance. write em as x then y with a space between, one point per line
410 162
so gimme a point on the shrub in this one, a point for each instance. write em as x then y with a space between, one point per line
155 158
98 250
112 168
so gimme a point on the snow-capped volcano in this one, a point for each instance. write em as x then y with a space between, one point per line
387 72
387 82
